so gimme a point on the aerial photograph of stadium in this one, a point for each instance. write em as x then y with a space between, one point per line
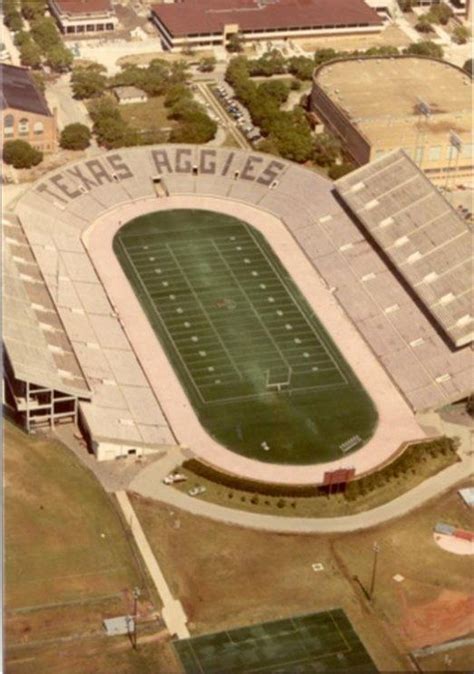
238 328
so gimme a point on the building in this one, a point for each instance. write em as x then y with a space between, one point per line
205 23
25 113
75 17
377 105
127 95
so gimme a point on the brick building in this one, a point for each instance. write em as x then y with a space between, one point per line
25 113
76 17
207 23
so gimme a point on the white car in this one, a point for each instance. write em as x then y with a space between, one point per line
172 478
197 490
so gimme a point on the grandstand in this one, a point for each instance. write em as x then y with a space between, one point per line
87 358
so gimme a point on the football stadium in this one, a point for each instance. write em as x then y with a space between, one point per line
274 323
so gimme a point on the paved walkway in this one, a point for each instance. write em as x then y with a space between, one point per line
173 613
149 484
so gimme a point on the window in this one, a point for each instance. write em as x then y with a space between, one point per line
23 127
90 28
434 153
38 128
419 154
8 124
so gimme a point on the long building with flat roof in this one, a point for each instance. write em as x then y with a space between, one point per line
204 23
422 105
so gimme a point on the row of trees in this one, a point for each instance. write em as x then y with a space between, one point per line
42 43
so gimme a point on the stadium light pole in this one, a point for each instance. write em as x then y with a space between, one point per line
376 549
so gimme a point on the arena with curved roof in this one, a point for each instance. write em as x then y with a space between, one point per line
82 345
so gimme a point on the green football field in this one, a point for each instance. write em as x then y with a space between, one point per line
321 642
263 375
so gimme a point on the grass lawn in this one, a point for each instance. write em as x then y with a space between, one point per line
262 373
150 116
68 562
315 506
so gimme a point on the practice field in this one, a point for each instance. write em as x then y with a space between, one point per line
321 642
263 375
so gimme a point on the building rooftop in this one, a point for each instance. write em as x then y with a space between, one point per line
83 6
128 92
420 234
382 96
192 17
20 92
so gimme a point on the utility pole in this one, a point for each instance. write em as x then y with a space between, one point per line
136 595
376 549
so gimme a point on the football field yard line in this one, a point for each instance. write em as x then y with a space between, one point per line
161 320
283 283
251 304
204 310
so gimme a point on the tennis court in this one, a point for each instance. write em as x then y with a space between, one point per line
260 370
320 642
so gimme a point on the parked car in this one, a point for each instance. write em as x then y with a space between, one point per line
173 478
197 490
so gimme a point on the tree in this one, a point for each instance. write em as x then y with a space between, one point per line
323 55
339 170
405 5
177 93
234 43
470 405
30 54
45 33
276 89
59 58
88 82
33 9
425 48
461 34
423 25
21 37
301 67
12 20
467 67
39 80
207 64
75 137
326 149
21 154
440 13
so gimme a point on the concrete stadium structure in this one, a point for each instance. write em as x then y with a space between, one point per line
375 105
78 346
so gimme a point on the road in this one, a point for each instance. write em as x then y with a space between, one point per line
149 484
227 121
7 40
69 111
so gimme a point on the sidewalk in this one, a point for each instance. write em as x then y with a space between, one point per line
173 614
149 484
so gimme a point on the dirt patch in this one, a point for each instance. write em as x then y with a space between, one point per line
449 616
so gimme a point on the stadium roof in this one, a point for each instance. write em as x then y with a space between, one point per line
20 92
193 17
421 235
37 345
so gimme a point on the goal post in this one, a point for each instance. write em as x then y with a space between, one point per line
278 383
